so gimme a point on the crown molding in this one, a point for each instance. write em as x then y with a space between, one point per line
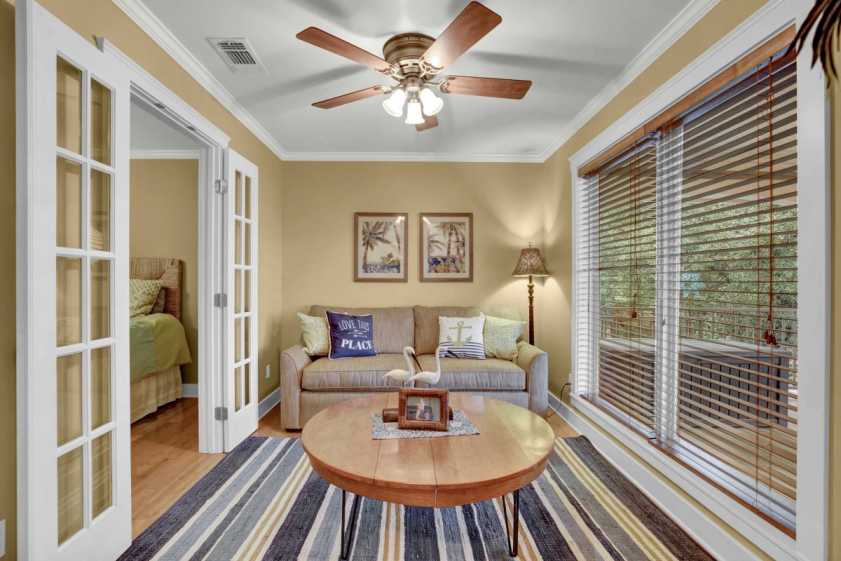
668 36
165 154
160 33
413 157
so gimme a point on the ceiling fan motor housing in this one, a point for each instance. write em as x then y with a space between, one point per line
406 50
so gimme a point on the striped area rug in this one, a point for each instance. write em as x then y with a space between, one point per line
264 502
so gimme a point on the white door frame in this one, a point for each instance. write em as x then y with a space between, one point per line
211 224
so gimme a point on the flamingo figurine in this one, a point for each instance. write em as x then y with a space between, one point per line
427 376
398 373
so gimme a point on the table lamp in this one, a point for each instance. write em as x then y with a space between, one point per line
530 264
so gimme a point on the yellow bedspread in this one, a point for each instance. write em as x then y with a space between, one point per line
158 342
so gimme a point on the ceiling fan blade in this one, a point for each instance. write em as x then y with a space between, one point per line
487 87
473 23
428 123
348 97
329 42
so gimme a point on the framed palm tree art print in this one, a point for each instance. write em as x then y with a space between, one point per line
446 247
380 253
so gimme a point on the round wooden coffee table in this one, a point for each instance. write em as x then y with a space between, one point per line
510 451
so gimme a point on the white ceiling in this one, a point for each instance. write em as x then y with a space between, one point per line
152 133
570 49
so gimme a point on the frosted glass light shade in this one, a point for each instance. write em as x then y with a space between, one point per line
394 104
431 103
414 114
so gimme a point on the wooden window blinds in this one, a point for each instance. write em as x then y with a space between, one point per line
686 280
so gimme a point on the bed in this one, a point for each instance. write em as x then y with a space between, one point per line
158 340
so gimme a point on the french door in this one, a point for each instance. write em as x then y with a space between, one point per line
73 347
241 366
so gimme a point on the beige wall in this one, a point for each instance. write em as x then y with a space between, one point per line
164 223
319 199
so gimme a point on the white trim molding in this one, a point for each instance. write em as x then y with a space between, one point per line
163 36
190 390
413 157
813 156
268 403
165 154
680 506
160 33
668 36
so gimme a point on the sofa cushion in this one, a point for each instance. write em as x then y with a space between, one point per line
426 324
475 374
362 373
394 328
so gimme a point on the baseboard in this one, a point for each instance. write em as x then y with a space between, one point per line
268 403
718 541
190 390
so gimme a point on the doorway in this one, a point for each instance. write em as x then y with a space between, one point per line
73 303
163 268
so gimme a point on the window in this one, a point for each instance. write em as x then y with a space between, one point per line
687 285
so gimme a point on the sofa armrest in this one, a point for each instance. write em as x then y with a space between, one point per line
535 362
292 363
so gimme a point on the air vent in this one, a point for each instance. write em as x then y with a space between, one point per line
237 53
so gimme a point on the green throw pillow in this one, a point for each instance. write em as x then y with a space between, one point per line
142 296
501 337
315 334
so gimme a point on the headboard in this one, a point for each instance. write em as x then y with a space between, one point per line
165 269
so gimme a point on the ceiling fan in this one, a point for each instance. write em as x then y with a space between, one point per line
414 61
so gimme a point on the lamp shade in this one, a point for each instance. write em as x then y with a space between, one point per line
530 263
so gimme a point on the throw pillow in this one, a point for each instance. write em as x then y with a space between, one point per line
315 334
142 296
501 337
461 337
350 335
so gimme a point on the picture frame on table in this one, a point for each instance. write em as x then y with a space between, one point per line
423 409
380 250
445 247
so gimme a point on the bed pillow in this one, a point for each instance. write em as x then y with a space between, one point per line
501 337
315 334
350 335
142 296
461 337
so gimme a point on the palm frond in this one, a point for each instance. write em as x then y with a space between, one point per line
825 19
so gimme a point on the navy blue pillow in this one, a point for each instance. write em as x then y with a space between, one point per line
350 335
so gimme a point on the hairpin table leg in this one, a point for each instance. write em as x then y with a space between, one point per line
513 545
347 530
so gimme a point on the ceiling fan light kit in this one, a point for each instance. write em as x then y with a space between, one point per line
414 61
414 114
394 104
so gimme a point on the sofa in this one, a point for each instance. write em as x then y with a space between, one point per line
310 384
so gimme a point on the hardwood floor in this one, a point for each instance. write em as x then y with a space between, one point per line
165 459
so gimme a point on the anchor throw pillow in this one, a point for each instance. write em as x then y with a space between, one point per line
461 337
350 335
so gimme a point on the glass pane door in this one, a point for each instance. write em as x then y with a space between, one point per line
84 298
242 385
74 346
